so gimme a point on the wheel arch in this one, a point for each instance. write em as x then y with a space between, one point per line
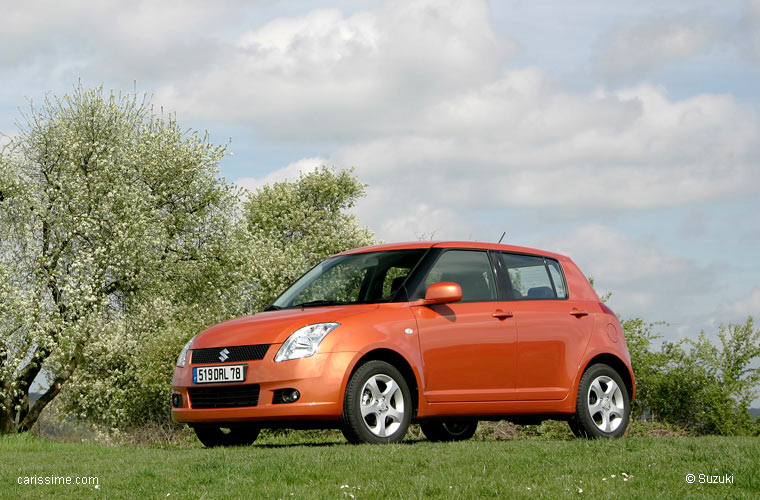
400 363
616 364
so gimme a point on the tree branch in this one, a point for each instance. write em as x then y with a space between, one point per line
30 372
27 421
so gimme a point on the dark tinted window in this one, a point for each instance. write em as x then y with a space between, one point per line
470 269
528 277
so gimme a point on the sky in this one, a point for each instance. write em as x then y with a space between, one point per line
623 134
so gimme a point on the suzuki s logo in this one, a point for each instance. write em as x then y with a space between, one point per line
223 355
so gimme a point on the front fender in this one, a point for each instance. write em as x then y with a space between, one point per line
389 333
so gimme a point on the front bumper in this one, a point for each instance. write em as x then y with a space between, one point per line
318 378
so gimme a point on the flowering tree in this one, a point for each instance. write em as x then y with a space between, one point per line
102 203
304 221
281 231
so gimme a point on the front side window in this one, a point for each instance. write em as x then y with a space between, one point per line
471 269
362 278
528 277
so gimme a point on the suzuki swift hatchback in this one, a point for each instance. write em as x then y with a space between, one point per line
440 333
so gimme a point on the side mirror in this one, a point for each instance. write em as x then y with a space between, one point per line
442 292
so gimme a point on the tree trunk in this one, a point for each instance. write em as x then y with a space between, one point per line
30 416
7 422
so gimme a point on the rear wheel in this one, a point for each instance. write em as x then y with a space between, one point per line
378 405
237 435
449 430
603 405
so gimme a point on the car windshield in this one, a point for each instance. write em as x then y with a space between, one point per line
360 278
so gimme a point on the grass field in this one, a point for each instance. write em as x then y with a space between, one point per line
301 466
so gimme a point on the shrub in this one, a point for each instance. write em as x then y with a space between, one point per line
694 384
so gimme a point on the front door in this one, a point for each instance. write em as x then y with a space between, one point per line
468 347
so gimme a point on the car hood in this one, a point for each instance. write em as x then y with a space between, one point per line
272 327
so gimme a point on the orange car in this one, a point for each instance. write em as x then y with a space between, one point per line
440 333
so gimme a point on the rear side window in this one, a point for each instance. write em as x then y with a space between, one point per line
530 279
470 269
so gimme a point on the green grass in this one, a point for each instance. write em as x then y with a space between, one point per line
302 466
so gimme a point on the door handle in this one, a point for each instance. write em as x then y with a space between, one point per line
579 312
502 314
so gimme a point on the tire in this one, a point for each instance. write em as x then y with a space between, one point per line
603 405
449 430
378 405
238 435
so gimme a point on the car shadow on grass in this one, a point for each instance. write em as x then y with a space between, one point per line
323 444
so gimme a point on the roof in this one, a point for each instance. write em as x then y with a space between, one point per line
480 245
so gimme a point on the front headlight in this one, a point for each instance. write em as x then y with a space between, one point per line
304 342
182 359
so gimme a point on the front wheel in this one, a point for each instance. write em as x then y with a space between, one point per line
445 430
603 406
237 435
378 405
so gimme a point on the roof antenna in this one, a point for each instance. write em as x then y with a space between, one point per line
502 236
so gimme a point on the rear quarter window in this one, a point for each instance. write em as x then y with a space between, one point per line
558 278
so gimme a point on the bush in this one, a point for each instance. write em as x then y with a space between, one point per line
693 384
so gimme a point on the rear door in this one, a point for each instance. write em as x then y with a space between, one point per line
468 349
553 329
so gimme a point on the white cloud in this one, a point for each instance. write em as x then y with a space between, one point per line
637 49
415 95
518 142
645 280
750 30
614 257
141 39
331 76
412 219
743 307
290 173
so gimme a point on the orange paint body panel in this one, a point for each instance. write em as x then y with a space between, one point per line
499 357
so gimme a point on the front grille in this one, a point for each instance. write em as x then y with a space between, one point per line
224 397
230 354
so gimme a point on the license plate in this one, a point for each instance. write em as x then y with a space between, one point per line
227 373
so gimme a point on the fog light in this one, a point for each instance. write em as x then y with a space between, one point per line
177 400
284 396
290 395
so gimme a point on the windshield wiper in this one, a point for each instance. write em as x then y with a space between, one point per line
317 303
272 307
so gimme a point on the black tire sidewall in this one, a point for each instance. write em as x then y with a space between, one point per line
354 427
582 417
